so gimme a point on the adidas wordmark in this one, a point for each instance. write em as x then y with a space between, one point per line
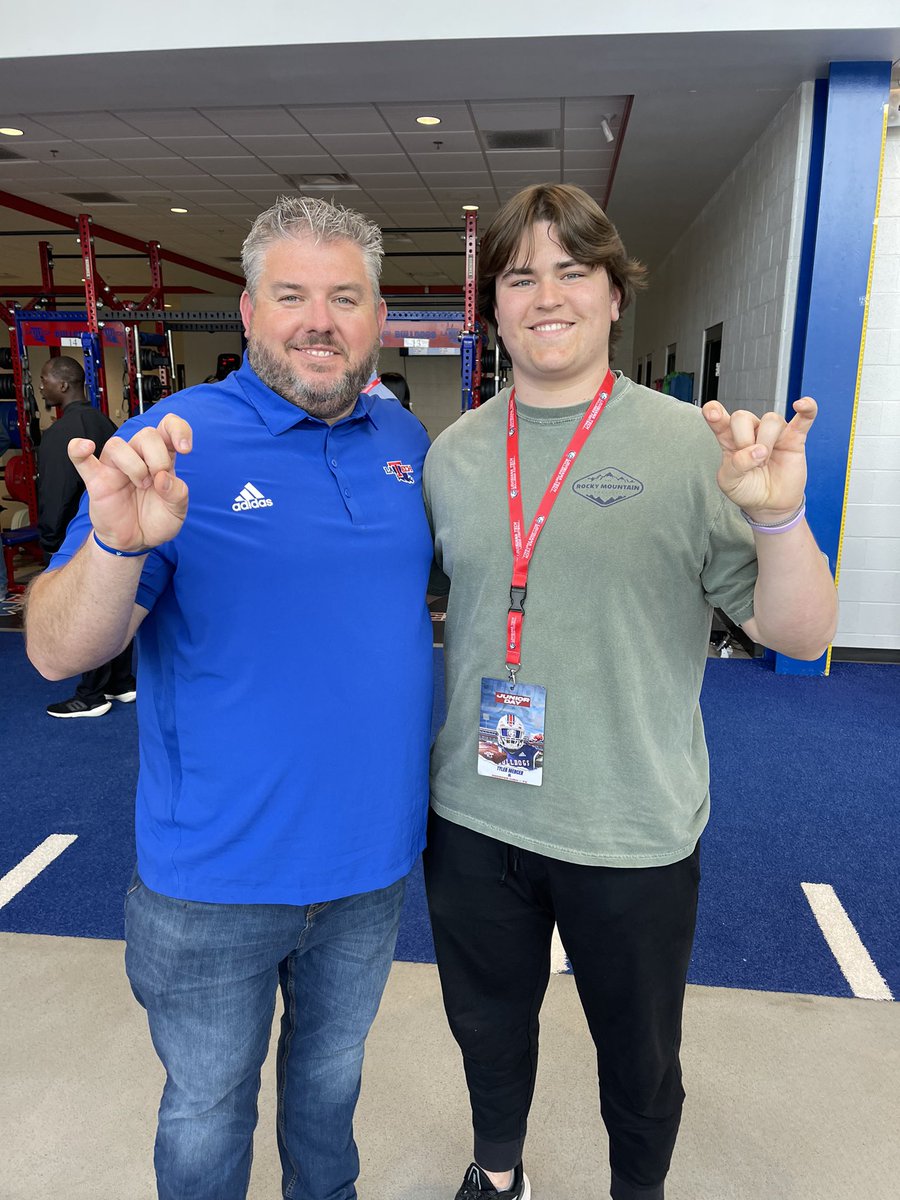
250 497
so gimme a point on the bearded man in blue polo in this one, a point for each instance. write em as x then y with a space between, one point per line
232 530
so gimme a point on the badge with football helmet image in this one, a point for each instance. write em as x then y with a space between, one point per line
511 733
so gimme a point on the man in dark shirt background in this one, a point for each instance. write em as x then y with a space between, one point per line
59 491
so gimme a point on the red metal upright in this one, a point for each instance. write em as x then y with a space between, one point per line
156 298
471 336
21 471
95 369
47 291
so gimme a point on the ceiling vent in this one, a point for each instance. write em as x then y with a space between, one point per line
323 183
521 139
11 156
96 198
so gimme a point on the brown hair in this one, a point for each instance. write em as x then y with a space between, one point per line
582 228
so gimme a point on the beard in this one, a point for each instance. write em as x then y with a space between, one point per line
327 402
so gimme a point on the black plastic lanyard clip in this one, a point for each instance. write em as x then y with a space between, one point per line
517 599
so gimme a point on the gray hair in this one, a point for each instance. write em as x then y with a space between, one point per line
299 216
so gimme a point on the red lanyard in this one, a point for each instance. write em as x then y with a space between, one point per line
373 383
523 545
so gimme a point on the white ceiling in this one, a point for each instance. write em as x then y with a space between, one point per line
221 132
227 164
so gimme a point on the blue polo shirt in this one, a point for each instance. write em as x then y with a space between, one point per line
285 666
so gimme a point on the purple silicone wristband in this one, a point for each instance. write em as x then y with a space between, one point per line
119 553
795 520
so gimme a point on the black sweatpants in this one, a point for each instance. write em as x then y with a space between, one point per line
627 933
114 677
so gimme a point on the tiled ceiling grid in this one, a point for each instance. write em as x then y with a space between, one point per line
226 164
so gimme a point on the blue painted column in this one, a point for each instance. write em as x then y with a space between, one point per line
836 262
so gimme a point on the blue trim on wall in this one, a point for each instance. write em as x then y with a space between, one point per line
808 243
850 165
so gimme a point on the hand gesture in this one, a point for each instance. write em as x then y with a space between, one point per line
763 467
136 499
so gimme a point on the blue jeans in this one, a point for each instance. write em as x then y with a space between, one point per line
207 975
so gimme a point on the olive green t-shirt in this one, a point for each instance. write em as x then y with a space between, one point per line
639 547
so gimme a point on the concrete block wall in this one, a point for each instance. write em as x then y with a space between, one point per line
870 561
737 264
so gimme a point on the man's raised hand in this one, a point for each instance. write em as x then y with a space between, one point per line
137 500
763 467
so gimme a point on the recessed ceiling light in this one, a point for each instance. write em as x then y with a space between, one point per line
470 208
428 120
10 132
178 210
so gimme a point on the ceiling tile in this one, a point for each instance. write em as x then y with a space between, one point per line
376 181
13 173
451 143
244 164
544 162
217 145
524 114
519 179
171 123
587 178
588 139
455 117
303 164
291 144
83 126
391 196
126 149
207 195
194 183
383 163
242 122
139 184
262 195
437 161
171 168
339 118
55 151
103 169
342 145
588 160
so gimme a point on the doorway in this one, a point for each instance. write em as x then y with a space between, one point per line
712 359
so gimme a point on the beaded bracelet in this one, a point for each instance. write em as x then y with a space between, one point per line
780 526
120 553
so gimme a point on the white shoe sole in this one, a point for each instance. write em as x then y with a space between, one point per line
526 1188
99 711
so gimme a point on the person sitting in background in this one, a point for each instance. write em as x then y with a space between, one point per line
225 364
60 489
397 384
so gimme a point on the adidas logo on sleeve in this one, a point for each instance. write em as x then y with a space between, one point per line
250 497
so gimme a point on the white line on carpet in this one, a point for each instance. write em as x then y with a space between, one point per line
559 964
32 864
845 943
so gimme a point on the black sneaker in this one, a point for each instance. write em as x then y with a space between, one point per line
477 1186
79 708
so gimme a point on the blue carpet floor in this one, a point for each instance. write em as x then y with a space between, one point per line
804 785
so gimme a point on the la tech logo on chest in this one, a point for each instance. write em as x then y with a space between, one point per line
400 470
608 486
